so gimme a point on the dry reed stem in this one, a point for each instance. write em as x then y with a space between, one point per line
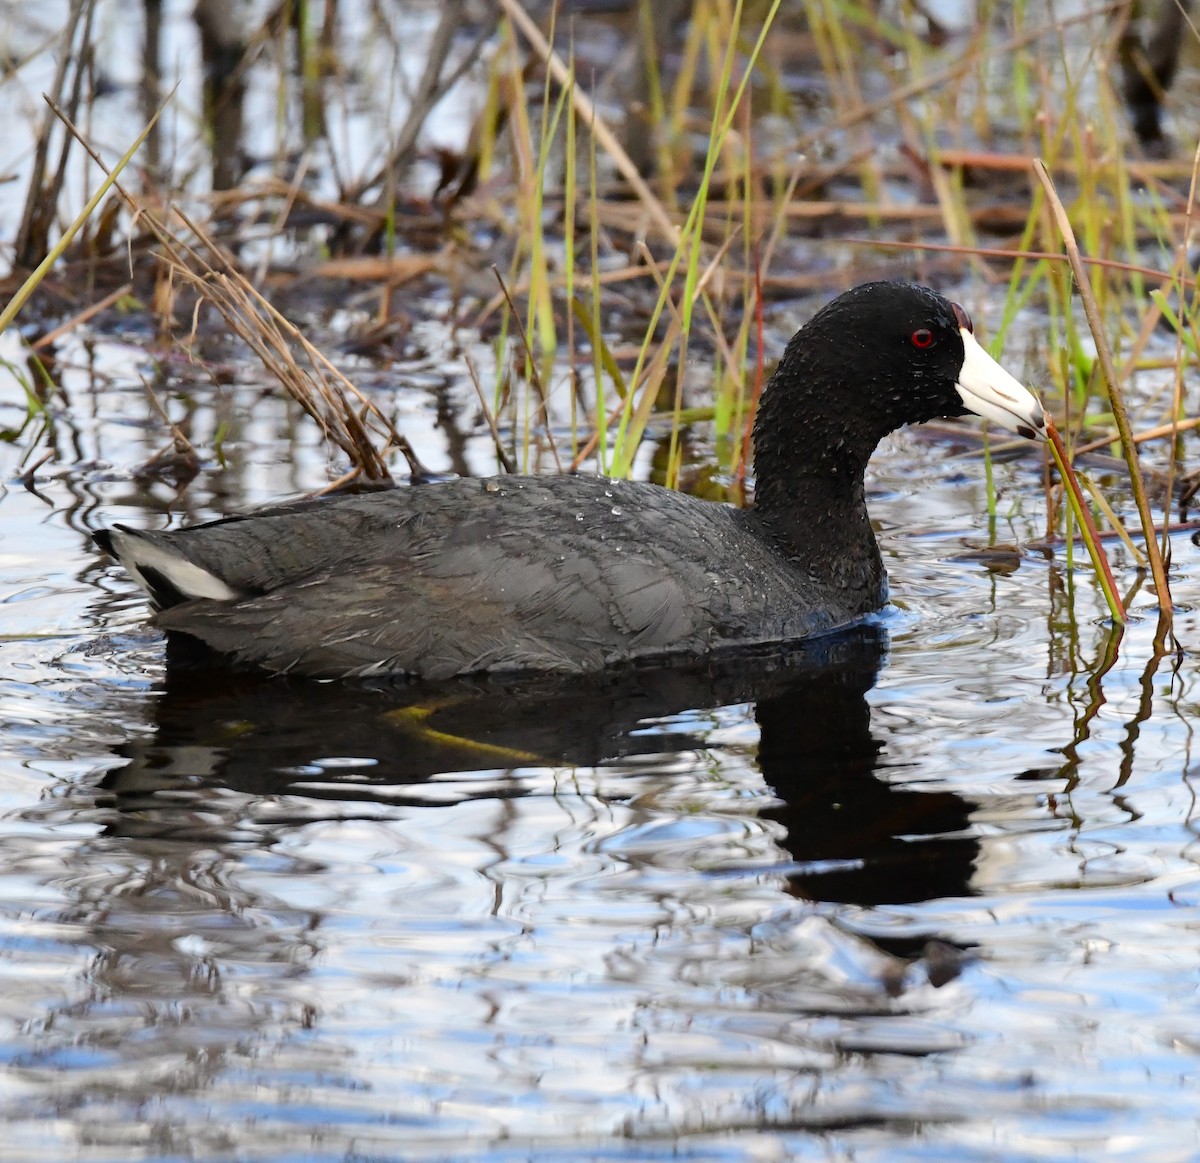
1091 538
431 88
1182 260
1115 522
41 199
1139 169
1013 255
393 270
79 319
233 298
271 336
180 442
224 202
589 445
1116 398
279 219
1155 433
503 456
534 375
586 110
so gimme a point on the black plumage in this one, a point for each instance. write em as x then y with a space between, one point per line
579 573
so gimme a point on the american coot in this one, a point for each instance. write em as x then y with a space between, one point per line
578 573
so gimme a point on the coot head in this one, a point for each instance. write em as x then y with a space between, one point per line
878 357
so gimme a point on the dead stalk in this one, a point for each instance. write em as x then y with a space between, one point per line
1116 398
321 390
587 113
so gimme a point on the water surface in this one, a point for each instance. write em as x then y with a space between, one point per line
923 890
927 890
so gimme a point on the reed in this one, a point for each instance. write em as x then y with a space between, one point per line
640 277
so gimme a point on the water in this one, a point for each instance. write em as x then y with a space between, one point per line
926 891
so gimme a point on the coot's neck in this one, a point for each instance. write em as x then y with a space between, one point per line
810 491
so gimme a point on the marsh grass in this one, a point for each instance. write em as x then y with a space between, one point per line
768 151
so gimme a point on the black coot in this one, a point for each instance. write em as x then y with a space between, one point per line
579 573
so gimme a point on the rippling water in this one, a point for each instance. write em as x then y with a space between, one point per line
928 890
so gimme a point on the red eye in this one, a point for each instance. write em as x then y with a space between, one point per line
922 337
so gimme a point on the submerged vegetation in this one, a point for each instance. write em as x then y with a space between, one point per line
621 211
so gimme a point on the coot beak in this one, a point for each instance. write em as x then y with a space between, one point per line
989 391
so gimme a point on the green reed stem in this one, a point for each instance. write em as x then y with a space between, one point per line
1116 400
1091 538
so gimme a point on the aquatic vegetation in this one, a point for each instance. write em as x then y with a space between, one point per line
646 215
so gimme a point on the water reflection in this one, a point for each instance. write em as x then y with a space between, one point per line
853 836
665 903
230 941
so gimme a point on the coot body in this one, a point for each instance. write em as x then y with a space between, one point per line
577 573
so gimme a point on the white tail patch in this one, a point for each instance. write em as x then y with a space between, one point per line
136 553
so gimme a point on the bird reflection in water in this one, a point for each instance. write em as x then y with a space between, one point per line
853 834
